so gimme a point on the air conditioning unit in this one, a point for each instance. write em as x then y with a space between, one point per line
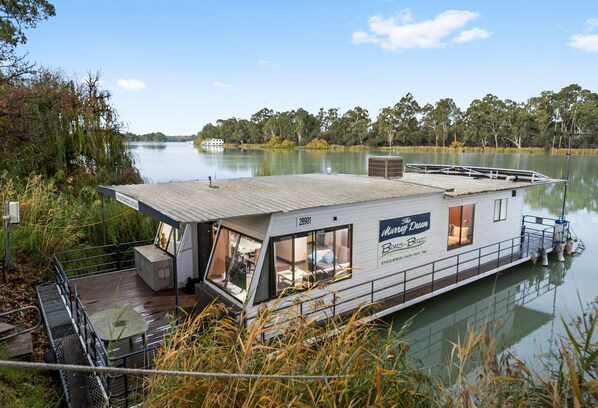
385 166
154 266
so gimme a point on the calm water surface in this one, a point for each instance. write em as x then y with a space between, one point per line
523 305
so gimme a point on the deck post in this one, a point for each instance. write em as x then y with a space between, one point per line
372 293
404 286
175 278
498 256
103 222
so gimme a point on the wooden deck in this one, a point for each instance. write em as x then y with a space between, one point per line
100 292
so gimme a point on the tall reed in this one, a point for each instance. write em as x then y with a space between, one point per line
377 370
56 219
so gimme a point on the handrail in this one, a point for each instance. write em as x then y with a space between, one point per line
367 290
20 309
99 356
101 259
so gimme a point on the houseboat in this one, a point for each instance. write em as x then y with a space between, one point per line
212 142
391 238
324 244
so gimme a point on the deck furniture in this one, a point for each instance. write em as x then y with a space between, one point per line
120 323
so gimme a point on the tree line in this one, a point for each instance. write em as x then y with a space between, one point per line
543 121
157 137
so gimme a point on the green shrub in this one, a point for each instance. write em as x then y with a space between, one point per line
317 144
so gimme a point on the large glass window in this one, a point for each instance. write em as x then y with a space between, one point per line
305 259
233 262
460 231
500 209
166 237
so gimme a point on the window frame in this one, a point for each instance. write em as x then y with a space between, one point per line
464 221
502 209
233 259
338 273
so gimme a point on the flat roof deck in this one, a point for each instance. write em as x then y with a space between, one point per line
205 201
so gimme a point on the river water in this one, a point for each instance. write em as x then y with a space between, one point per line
522 307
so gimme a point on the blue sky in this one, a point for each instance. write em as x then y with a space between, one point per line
174 66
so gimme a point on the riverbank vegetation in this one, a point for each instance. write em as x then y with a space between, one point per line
544 121
364 364
61 137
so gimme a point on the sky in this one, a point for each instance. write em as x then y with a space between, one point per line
175 66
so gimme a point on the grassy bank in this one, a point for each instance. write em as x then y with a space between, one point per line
433 149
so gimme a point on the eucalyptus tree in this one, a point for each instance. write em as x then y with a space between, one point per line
359 125
235 130
306 126
386 125
406 113
259 119
518 123
280 124
486 119
209 131
542 110
586 120
353 127
440 118
327 120
568 100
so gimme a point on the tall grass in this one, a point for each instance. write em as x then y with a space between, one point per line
377 368
55 219
368 365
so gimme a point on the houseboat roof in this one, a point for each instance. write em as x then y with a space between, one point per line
204 201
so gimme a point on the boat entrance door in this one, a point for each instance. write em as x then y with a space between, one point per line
205 240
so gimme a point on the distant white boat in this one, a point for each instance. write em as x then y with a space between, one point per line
212 142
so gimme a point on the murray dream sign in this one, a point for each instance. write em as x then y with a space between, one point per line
402 238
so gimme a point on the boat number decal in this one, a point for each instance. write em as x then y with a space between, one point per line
403 238
301 221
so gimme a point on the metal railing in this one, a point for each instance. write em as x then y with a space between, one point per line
88 262
405 285
18 332
97 260
100 356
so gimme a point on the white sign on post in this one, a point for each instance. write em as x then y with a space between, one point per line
14 213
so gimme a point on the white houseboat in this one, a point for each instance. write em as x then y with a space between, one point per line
391 238
212 142
326 244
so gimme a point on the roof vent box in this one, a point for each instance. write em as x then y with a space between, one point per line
385 166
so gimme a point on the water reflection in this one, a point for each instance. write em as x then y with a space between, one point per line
147 145
501 305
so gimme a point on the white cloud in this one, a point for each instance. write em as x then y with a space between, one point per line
584 42
219 84
266 62
472 35
131 84
402 32
591 24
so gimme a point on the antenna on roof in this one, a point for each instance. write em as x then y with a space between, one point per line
211 185
568 163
